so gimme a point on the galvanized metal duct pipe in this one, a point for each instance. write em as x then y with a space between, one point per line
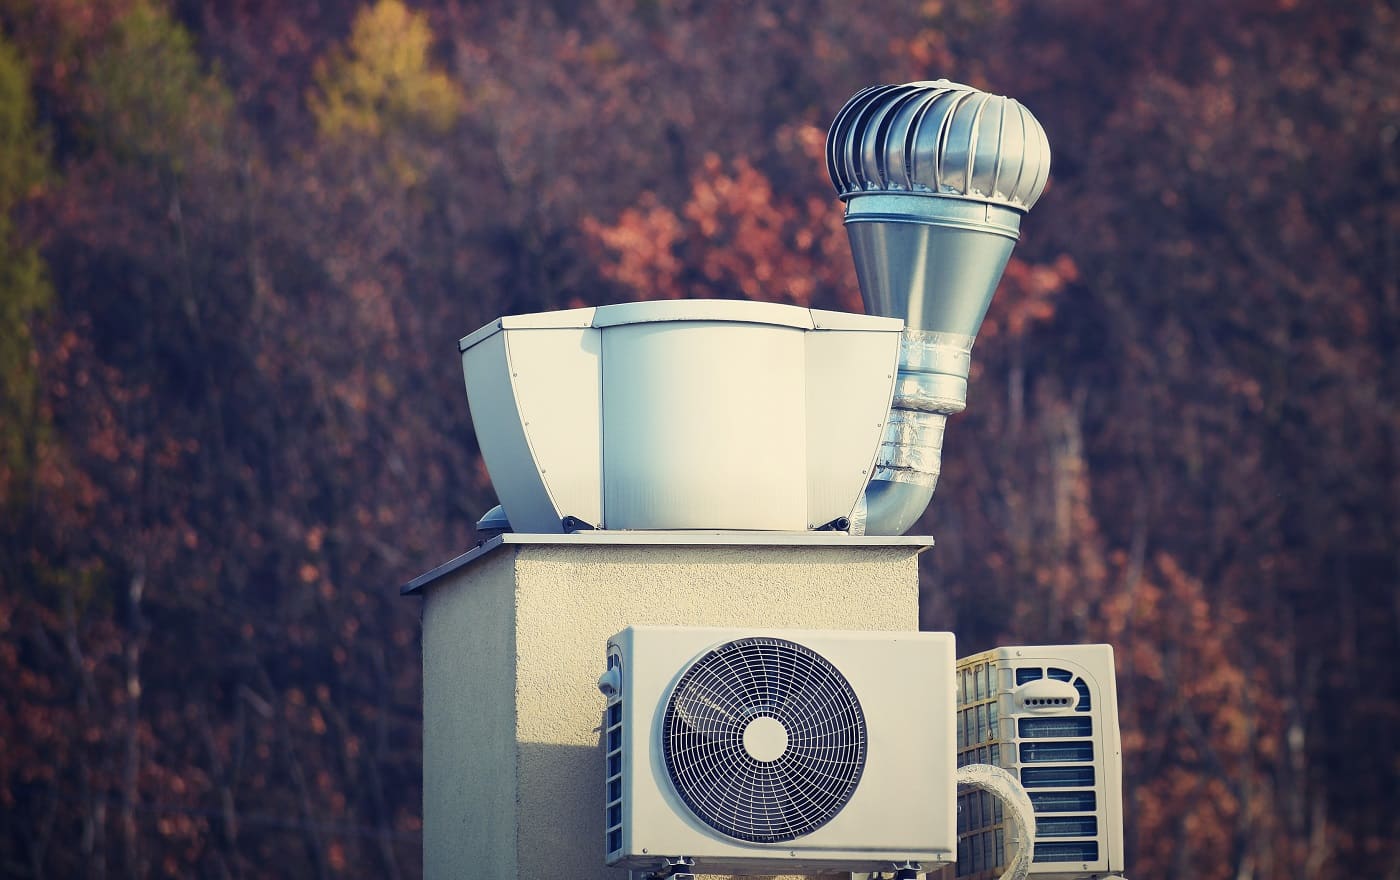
935 177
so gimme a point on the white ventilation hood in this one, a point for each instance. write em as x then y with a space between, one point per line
681 414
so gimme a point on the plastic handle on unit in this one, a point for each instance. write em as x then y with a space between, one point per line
610 682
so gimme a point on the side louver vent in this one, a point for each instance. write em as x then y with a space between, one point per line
764 740
613 740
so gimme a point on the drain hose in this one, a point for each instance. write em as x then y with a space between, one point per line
1004 787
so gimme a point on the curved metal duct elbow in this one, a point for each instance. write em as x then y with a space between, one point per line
935 177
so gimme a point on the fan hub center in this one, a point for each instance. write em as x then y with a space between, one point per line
765 739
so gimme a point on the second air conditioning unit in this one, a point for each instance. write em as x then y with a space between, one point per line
1049 715
779 751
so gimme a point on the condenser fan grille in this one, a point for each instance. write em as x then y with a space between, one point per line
764 739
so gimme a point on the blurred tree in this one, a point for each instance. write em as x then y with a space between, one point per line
382 87
732 238
24 286
150 99
1226 191
384 79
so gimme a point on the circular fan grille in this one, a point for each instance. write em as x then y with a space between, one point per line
764 739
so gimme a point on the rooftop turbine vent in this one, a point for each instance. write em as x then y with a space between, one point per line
935 177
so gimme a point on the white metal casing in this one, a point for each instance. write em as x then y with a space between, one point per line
680 414
901 810
1071 765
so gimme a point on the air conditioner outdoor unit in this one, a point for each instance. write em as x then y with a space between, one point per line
1049 715
779 751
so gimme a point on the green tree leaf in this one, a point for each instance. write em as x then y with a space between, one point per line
153 103
24 284
384 79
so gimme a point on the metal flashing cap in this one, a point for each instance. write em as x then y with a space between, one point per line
938 138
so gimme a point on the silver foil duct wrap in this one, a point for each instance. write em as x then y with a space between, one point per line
931 385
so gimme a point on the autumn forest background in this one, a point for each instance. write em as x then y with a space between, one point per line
239 240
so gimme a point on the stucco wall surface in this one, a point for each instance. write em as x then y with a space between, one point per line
526 659
469 748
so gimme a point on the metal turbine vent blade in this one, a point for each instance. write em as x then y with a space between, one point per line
938 138
935 177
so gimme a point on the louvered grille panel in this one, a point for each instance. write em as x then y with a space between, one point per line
779 783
